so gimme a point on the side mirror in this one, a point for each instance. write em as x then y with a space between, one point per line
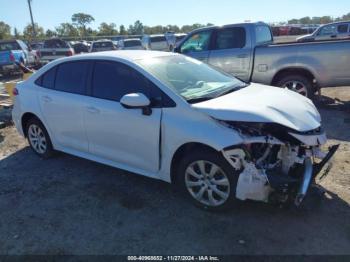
137 101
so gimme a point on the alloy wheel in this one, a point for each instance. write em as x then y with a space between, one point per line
296 86
207 183
37 139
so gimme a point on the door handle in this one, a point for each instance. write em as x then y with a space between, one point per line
92 110
242 56
47 99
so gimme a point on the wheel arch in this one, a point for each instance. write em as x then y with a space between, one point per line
25 118
180 153
293 71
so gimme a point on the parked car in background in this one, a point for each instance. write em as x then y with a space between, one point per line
81 47
247 52
54 48
339 30
36 46
102 45
173 118
179 37
130 44
155 42
15 51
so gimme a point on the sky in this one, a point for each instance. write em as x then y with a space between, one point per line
50 13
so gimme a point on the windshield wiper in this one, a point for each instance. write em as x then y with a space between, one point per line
198 99
231 90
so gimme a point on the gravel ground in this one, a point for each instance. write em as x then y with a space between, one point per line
68 205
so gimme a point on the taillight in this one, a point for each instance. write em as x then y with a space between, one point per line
12 57
69 53
15 91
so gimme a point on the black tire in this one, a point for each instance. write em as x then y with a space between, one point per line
306 82
49 151
217 159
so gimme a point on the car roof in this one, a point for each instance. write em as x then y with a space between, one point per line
128 55
336 23
227 25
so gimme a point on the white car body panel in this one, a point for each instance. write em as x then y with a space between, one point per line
131 141
265 104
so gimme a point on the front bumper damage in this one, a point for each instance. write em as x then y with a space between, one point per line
283 172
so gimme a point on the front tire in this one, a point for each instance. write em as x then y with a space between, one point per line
297 83
208 180
38 138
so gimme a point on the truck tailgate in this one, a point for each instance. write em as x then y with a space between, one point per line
5 58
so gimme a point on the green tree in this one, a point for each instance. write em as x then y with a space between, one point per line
107 29
67 29
305 20
122 30
293 21
136 29
28 31
50 33
81 20
5 30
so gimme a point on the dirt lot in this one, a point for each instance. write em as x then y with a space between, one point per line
68 205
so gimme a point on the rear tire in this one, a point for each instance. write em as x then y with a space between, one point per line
297 83
38 138
208 180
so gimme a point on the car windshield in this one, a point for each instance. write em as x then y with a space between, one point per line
193 80
55 43
131 43
103 44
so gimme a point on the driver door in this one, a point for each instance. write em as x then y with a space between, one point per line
198 45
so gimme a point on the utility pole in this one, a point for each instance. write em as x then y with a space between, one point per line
31 17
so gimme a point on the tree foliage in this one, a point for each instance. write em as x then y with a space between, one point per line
28 33
81 20
107 29
5 30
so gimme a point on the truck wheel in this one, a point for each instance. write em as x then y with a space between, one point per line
297 83
208 180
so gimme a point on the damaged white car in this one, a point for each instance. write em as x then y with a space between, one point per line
174 118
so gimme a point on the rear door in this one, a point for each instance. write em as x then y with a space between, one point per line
232 51
343 31
62 100
125 136
198 45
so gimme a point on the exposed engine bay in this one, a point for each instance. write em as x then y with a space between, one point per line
276 164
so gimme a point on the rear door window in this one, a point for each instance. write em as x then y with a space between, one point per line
227 38
71 77
343 28
113 80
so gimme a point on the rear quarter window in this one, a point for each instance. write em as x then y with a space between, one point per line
263 34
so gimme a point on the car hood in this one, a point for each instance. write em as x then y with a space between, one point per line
264 104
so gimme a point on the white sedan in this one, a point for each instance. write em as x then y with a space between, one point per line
173 118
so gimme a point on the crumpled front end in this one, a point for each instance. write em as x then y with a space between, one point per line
277 164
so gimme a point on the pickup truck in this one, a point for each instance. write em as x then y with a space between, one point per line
247 51
15 51
53 49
